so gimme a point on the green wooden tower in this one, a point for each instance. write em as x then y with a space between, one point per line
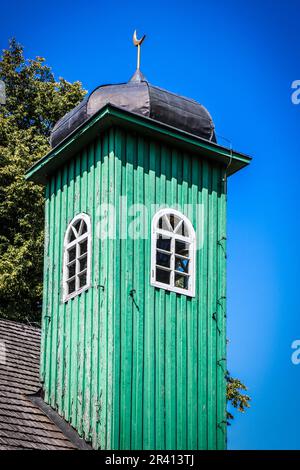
134 309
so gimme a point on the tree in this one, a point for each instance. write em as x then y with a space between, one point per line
34 102
235 397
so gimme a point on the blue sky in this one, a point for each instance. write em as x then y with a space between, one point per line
238 59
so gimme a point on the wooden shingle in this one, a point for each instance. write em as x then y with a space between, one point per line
23 425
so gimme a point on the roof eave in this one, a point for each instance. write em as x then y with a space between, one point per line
111 115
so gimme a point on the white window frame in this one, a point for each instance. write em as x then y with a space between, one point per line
191 239
67 246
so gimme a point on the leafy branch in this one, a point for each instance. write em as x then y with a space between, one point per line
235 396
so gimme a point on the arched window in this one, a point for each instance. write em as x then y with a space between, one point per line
77 252
173 252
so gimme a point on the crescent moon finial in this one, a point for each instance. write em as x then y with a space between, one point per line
136 41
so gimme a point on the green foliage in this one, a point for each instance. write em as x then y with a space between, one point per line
235 397
34 102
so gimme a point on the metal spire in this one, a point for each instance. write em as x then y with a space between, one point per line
138 76
137 42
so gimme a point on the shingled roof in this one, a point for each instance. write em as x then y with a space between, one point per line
23 425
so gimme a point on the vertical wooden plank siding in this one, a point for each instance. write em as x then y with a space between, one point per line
45 312
131 366
221 309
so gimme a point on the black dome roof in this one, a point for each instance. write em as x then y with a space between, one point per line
140 97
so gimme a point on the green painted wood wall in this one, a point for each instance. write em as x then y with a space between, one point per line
128 365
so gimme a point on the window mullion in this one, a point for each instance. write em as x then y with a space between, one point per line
82 237
80 228
178 226
74 231
172 262
175 235
168 224
77 266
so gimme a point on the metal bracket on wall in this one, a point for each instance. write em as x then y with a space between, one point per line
219 302
214 316
131 293
219 242
219 363
221 425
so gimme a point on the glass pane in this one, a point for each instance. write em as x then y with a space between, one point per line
181 229
82 280
77 225
164 223
71 254
71 235
181 281
164 243
83 263
162 259
83 228
182 264
182 248
71 286
174 220
83 247
184 230
71 270
162 276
